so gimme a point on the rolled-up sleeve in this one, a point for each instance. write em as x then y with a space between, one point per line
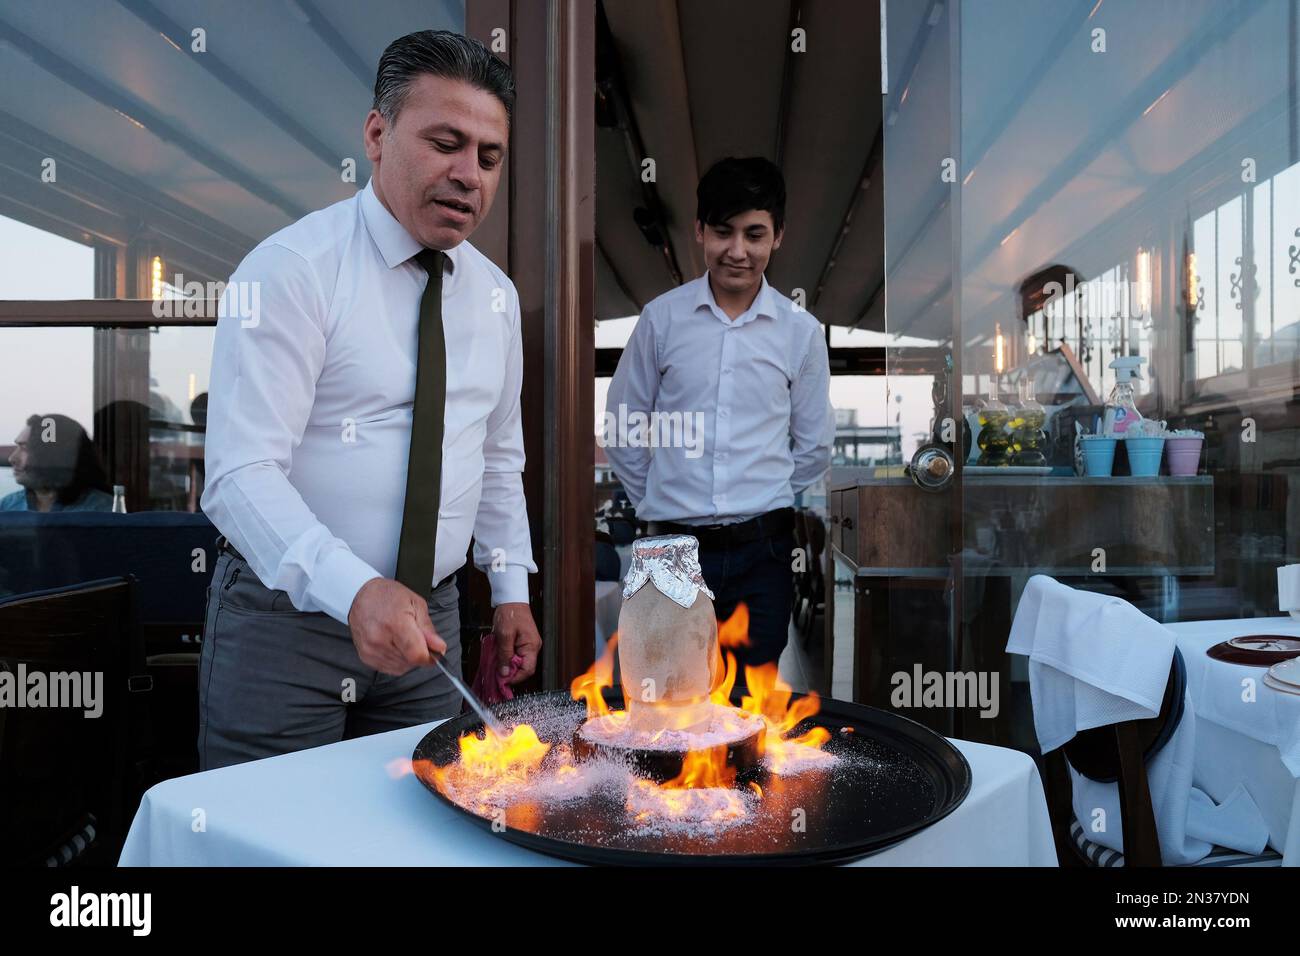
502 544
267 355
812 417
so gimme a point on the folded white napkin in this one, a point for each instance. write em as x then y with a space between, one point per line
1093 660
1235 823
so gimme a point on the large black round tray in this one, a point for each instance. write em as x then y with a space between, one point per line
897 778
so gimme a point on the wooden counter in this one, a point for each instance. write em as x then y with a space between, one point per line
933 578
1016 524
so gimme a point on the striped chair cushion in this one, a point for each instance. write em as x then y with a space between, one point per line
1094 854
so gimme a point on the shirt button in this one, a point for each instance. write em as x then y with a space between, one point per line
726 371
722 413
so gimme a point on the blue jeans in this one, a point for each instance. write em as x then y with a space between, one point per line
759 573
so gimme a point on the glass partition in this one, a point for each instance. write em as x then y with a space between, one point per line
1075 191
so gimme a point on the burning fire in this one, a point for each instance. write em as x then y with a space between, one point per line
493 771
769 697
702 792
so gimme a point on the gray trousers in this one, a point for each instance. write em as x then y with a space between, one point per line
273 679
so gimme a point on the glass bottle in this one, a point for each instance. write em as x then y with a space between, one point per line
119 499
1028 439
994 442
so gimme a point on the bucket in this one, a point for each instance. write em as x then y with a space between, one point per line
1184 455
1144 456
1098 456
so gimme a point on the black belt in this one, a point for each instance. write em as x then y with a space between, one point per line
223 544
767 525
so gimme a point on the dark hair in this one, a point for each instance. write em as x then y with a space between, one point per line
734 185
69 463
440 53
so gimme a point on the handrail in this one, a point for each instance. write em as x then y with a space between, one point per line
108 313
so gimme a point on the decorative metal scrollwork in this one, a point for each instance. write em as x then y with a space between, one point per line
1243 282
1294 266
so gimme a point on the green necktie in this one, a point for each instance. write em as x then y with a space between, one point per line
415 549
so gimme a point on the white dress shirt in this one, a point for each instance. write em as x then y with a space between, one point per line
758 384
309 416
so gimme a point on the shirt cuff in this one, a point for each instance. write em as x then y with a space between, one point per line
336 581
509 585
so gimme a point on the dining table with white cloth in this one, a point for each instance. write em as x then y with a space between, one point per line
1247 733
357 803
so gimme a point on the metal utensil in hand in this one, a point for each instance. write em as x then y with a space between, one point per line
489 719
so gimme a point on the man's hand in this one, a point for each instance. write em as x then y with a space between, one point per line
516 633
391 628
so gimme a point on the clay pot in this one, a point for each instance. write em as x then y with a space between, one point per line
667 636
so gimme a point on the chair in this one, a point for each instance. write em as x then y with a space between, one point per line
1119 753
63 776
171 557
810 586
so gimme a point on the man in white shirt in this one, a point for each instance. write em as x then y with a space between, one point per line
734 380
364 424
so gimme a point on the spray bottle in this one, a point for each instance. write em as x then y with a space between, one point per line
1121 407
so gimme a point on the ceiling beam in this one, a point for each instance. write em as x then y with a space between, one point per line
106 203
179 37
310 14
1139 99
612 82
939 193
875 156
145 118
787 84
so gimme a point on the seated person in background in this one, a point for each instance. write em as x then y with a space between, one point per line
58 467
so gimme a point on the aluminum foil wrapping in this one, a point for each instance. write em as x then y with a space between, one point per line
672 562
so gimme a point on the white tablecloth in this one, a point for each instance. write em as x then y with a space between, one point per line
352 804
1243 740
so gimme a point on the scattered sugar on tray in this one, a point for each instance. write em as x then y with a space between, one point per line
727 726
785 758
702 811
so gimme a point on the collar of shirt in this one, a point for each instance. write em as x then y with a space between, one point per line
395 244
763 303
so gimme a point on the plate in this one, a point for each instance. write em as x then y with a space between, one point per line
1280 687
1288 673
1256 650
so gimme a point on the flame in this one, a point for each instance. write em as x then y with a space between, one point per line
734 631
491 768
702 792
703 768
399 767
490 755
600 675
494 772
769 697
